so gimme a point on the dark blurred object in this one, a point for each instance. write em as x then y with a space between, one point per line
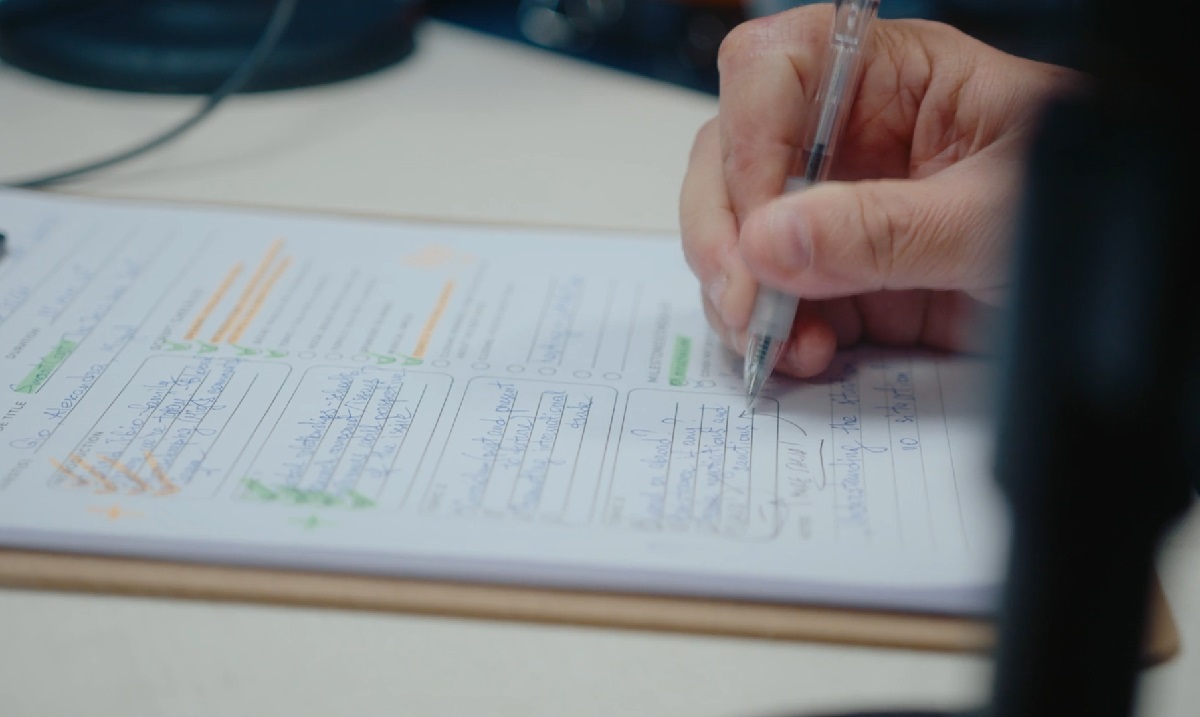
1099 439
674 41
192 46
1044 30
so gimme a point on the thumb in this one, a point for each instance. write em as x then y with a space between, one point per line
944 232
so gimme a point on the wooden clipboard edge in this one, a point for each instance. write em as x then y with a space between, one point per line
772 621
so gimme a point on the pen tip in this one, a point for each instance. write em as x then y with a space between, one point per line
754 383
762 351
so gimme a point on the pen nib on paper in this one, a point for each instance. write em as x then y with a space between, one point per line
751 394
756 380
761 354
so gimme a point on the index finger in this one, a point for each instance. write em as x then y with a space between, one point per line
769 71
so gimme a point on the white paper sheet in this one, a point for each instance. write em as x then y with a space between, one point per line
520 405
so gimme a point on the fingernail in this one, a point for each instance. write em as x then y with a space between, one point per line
788 232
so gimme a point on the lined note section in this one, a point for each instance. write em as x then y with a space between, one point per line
524 449
696 461
173 428
346 435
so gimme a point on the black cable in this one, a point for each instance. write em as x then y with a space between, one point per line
277 24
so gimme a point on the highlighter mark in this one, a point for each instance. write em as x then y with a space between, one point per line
258 490
430 257
106 485
141 484
66 471
114 512
312 522
432 322
680 356
213 300
46 367
251 287
168 487
259 299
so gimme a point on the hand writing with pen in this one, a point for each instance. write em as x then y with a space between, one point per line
908 243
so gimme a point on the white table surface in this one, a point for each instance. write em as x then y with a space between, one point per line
468 128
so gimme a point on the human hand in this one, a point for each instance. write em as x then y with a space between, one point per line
907 244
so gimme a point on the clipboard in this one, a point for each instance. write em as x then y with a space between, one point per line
759 620
87 573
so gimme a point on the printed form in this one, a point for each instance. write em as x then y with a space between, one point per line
529 406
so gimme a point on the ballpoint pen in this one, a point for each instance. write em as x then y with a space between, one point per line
774 311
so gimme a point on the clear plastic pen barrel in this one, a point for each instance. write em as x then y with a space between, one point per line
774 311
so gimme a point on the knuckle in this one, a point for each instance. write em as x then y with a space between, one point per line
879 231
781 34
741 45
741 157
733 48
938 247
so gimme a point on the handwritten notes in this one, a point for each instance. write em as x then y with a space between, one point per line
370 432
166 430
696 461
523 449
471 403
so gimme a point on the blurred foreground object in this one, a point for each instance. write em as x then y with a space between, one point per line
1098 432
